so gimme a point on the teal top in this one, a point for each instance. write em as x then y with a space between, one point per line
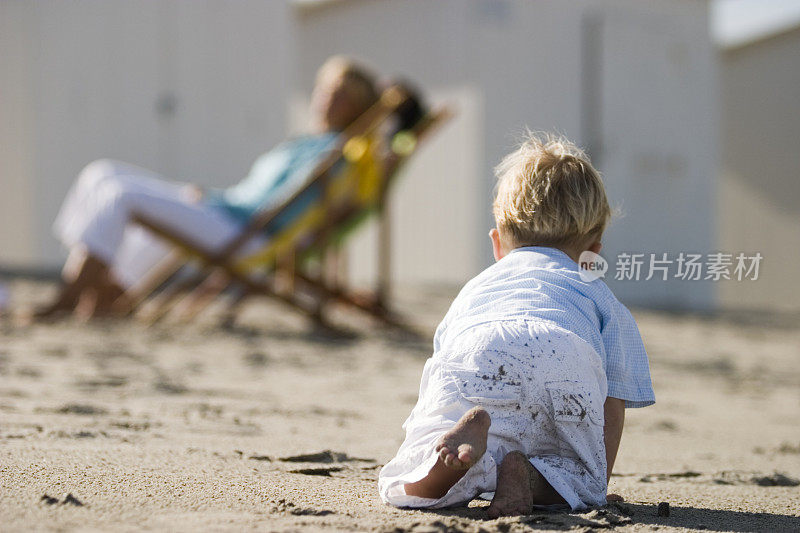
273 178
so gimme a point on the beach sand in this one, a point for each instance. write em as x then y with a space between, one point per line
272 425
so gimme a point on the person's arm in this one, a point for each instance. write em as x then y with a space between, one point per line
614 412
194 193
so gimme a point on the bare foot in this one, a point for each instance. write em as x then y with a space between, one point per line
462 446
60 307
45 314
28 317
519 487
459 449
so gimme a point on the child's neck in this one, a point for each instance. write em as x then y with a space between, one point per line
573 254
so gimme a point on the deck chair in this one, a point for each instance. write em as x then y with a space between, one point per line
305 234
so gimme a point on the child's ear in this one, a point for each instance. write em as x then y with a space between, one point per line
497 248
596 247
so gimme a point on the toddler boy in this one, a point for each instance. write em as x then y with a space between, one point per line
533 367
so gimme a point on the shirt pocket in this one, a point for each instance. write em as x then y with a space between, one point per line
487 389
574 402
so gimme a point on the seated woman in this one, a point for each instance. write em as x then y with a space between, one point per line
107 255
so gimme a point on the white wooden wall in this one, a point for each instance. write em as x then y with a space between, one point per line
759 204
658 142
632 82
194 89
197 89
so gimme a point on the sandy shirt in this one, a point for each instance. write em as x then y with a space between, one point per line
544 283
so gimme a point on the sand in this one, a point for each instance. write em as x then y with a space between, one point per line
272 425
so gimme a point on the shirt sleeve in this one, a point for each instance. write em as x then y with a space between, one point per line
263 181
627 367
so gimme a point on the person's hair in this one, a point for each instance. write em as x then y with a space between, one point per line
357 75
413 107
549 194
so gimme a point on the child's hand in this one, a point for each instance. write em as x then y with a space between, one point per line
614 498
193 193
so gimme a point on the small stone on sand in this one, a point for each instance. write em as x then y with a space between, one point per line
69 499
663 509
49 500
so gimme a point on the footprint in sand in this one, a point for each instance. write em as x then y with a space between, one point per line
68 499
282 506
775 480
325 456
80 409
326 471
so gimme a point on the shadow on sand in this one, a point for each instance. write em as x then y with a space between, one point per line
474 519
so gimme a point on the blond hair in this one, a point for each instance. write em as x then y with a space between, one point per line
359 77
548 193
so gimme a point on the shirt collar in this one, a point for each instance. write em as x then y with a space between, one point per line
545 255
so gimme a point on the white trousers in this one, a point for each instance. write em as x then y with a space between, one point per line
544 389
107 193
